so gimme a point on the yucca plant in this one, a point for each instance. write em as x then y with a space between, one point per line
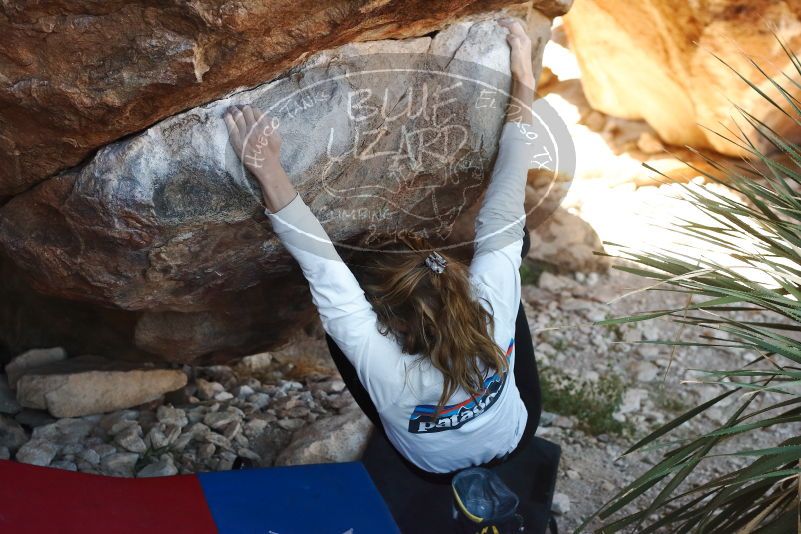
749 297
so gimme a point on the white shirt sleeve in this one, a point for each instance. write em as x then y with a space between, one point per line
346 314
500 224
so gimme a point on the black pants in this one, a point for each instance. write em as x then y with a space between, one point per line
525 372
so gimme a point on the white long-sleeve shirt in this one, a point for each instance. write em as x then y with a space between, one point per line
466 432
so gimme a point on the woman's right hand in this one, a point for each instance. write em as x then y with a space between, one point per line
255 139
520 58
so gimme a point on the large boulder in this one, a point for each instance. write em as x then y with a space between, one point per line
655 60
165 230
89 385
567 244
76 76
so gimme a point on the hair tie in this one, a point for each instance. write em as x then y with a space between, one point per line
436 262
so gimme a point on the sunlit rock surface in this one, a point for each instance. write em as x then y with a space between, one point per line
656 60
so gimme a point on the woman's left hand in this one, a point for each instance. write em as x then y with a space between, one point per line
256 141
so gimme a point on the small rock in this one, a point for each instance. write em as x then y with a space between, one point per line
650 143
289 385
595 120
30 360
196 414
37 452
108 421
649 351
182 441
340 402
341 438
206 451
90 456
206 389
255 362
171 432
119 463
163 468
297 412
631 335
329 386
244 391
563 422
223 396
218 440
553 283
131 439
240 440
547 418
8 402
226 461
122 426
233 429
156 438
650 331
5 454
103 449
249 454
68 430
71 449
560 504
632 400
573 475
255 427
646 371
260 400
12 435
291 424
173 416
65 465
219 420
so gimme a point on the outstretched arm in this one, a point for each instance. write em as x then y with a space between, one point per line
501 220
346 314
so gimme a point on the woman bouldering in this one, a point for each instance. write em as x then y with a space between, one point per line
428 348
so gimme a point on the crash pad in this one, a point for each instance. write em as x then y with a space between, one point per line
331 498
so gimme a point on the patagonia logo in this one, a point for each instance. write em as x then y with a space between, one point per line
424 419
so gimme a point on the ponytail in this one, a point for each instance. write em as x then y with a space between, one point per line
432 313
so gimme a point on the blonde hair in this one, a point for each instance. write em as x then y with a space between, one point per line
432 314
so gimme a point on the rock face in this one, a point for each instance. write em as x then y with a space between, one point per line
76 77
166 231
89 385
654 60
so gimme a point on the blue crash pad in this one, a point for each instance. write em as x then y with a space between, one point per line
309 499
